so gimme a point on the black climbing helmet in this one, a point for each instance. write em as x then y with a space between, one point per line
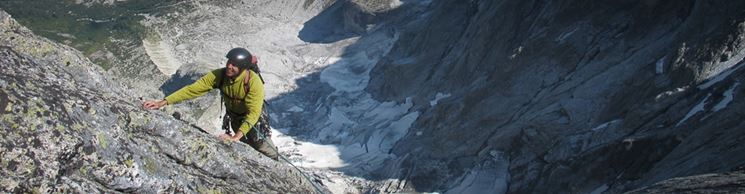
240 57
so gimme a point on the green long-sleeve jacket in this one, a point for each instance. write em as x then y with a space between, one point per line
236 100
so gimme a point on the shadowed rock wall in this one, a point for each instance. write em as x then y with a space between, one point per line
574 96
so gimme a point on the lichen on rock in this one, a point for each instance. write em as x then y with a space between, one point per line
67 128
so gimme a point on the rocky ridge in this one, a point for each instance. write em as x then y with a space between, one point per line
70 127
729 182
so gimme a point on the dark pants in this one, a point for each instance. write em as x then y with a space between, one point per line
263 145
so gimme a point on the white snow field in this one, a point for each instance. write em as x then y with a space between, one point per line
159 52
362 130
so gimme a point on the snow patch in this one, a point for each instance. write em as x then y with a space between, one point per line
668 93
335 125
160 53
600 189
352 72
728 97
565 35
404 61
349 74
388 111
726 69
395 4
659 67
296 109
438 97
391 122
325 61
337 183
353 151
382 141
698 108
314 155
605 125
490 177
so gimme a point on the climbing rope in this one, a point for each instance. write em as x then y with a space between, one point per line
263 137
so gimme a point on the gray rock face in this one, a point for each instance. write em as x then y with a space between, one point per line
579 96
465 97
67 127
732 182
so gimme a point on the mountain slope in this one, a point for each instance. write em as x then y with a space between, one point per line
568 96
69 127
495 96
457 96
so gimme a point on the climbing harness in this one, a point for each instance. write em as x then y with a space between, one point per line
261 133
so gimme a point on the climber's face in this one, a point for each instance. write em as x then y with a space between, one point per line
231 70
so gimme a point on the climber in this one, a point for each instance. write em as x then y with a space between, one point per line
242 90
